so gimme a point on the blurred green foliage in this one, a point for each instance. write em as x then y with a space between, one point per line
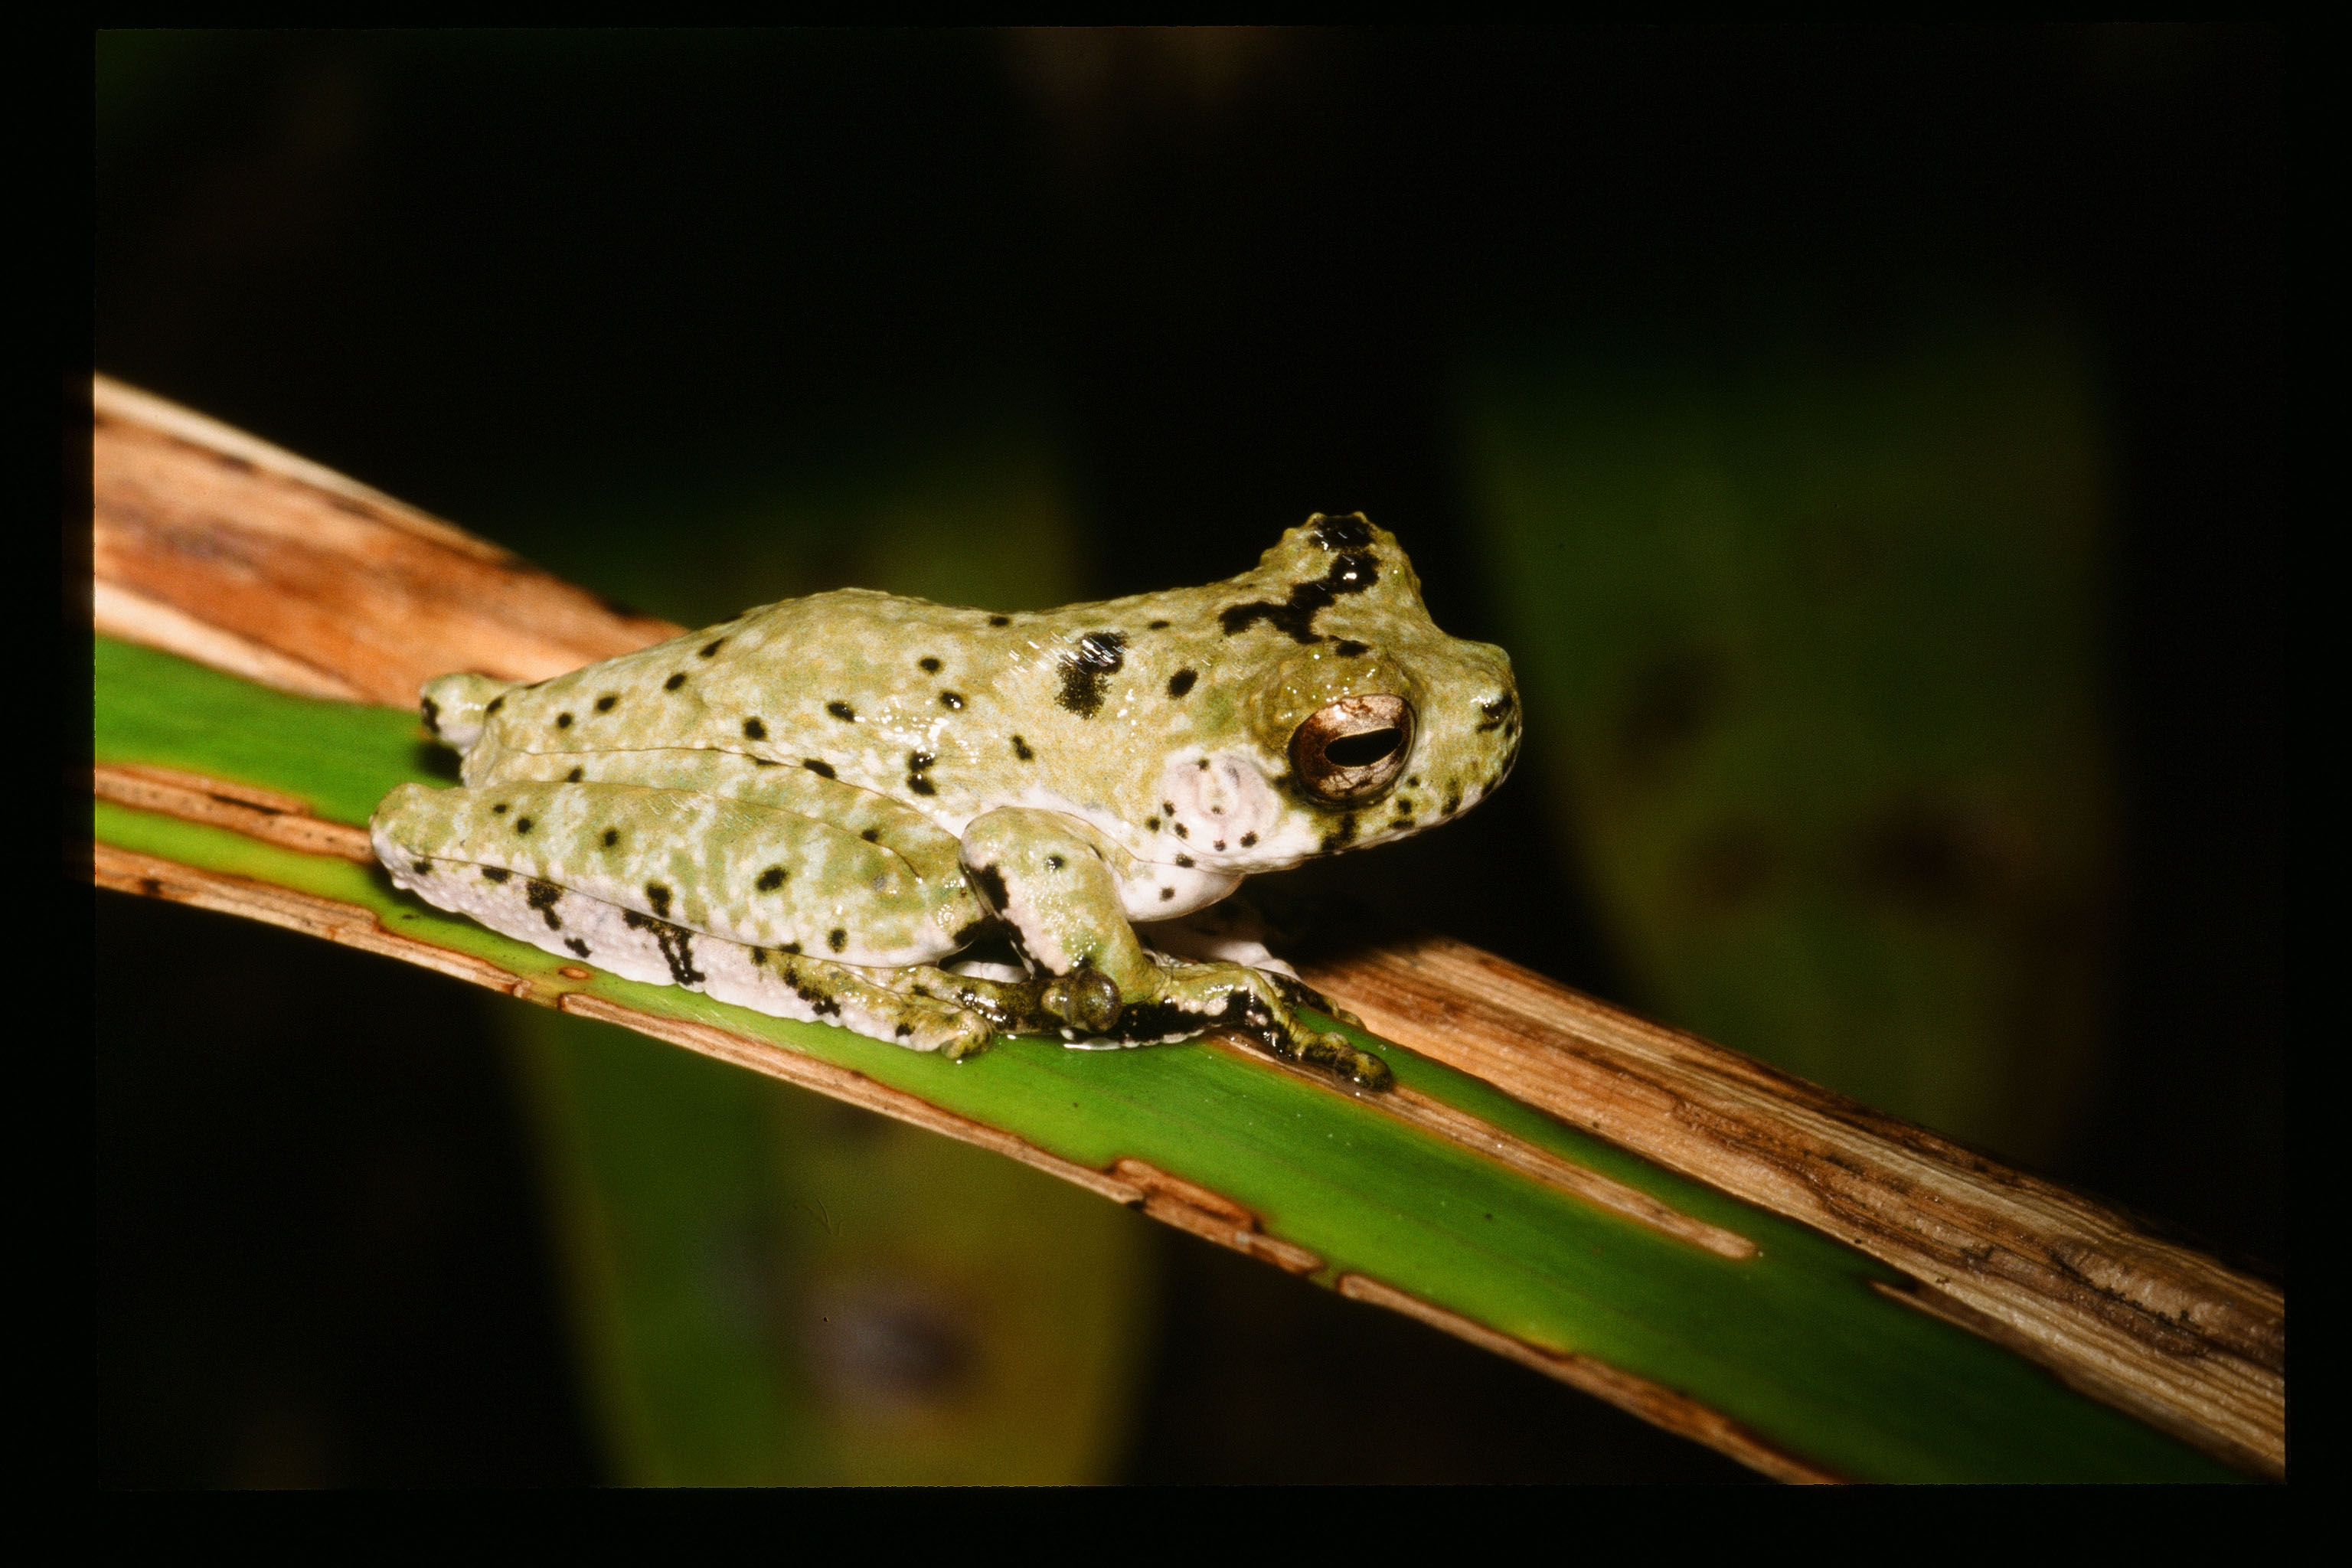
774 1289
1811 639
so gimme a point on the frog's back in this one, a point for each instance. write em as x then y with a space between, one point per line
855 680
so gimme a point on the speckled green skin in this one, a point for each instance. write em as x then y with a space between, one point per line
808 807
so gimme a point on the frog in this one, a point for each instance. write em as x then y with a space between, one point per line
833 807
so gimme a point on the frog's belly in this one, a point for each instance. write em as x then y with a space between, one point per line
638 947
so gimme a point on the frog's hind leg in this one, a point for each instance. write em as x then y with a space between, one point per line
636 946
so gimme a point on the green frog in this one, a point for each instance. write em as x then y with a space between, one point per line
812 809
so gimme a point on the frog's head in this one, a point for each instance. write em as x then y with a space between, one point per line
1387 725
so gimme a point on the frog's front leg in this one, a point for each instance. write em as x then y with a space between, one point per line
1050 878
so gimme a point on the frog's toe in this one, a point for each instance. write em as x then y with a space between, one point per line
1335 1053
969 1036
1086 999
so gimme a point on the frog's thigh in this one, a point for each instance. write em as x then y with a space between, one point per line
638 947
744 871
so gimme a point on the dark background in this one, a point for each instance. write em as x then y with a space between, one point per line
1235 267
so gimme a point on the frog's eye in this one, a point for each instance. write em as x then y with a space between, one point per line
1354 749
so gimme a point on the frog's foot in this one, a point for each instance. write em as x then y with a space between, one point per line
1188 999
1177 1002
1083 1004
1233 932
780 984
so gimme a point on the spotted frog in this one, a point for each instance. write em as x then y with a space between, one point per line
810 810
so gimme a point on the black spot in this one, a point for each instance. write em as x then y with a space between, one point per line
1151 824
1203 765
1182 831
563 720
951 699
712 646
1452 802
918 761
759 956
576 945
1341 836
1000 620
836 939
872 836
1180 682
1054 862
920 784
929 666
496 703
675 681
612 837
771 879
903 1030
1349 532
1248 840
822 770
990 883
1220 844
1295 615
791 947
677 946
1086 667
754 731
1158 626
605 703
843 711
422 868
1167 893
500 809
495 873
1351 648
522 824
1185 861
432 712
575 775
658 897
765 763
1021 749
542 897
